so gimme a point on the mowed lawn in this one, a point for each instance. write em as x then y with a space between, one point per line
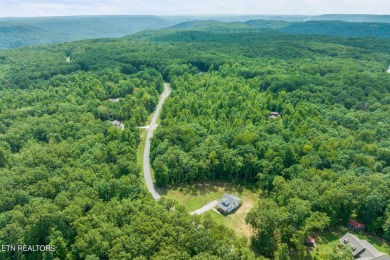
195 196
326 242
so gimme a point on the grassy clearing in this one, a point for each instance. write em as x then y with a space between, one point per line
197 195
326 242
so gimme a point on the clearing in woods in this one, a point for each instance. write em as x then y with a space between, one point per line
196 195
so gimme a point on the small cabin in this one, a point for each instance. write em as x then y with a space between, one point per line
311 241
355 225
114 100
228 203
118 124
274 115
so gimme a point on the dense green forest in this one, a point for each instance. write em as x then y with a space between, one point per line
323 161
70 178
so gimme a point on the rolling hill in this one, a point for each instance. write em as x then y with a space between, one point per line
339 28
18 32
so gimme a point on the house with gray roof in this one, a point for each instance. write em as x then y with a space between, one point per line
228 203
362 249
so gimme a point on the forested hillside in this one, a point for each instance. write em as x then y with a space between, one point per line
332 28
70 178
19 32
339 28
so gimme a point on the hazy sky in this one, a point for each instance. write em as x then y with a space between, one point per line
174 7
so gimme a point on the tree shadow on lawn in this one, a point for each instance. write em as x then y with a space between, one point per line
200 188
331 236
162 191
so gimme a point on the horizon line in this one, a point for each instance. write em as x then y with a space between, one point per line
185 15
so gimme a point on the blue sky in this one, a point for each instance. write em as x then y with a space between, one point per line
193 7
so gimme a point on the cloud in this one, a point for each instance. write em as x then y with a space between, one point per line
176 7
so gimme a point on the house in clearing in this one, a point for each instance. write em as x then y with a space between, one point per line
311 241
114 100
118 124
274 115
228 203
362 249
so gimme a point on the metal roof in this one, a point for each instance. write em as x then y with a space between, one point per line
228 203
362 249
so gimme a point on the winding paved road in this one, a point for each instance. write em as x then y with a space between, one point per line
149 134
146 165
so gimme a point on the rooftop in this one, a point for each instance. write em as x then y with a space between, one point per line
118 124
228 203
362 249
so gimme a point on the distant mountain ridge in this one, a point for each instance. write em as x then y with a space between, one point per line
356 18
332 28
19 32
339 28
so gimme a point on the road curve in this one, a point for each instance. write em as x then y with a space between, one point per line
149 134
